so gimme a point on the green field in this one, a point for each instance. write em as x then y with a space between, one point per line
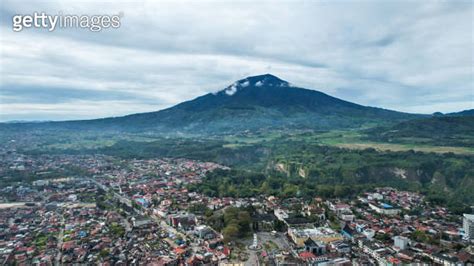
348 139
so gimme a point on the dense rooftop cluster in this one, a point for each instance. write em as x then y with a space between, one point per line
86 209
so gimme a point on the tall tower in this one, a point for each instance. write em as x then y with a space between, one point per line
468 226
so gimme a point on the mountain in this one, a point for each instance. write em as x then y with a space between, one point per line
262 102
469 112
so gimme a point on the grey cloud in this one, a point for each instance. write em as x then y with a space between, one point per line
51 95
399 55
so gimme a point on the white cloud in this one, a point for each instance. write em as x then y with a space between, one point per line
64 111
407 56
231 90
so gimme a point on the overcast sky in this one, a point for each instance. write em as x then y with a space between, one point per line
407 56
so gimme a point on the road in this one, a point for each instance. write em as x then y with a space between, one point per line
279 239
60 241
253 259
128 227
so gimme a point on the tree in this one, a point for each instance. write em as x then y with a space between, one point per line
244 222
230 232
279 226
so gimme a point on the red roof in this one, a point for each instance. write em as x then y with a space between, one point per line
226 251
68 245
394 260
179 250
307 255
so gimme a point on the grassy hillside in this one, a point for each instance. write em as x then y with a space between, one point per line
439 131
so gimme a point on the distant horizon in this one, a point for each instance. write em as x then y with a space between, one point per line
222 89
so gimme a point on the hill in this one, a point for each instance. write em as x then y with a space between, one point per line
449 130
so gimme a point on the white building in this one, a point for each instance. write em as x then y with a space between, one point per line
468 226
384 208
40 182
369 233
347 216
400 242
280 214
72 197
375 196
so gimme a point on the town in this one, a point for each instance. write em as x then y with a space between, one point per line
98 209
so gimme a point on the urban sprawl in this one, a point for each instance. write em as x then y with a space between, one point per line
113 211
